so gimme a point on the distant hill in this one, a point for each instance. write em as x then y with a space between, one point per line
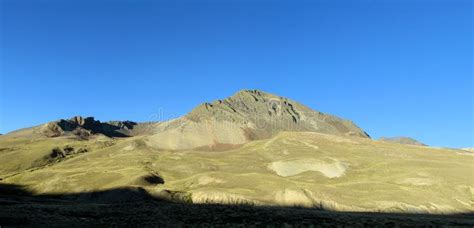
402 140
82 128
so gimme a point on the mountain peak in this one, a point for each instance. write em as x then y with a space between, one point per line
255 92
247 115
247 104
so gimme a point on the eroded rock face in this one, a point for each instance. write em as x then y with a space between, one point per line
85 127
269 114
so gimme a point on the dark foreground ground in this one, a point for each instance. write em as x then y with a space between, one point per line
132 208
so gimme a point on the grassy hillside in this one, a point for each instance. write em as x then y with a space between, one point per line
307 169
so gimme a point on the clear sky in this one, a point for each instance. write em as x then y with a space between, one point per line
396 68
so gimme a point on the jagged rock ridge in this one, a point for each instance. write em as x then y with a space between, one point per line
84 127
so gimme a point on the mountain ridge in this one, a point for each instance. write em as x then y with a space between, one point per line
245 116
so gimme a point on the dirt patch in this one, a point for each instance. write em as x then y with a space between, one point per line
205 180
294 197
135 145
295 167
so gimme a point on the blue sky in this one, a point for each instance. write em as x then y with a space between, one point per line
393 67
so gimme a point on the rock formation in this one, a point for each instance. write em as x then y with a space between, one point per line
84 127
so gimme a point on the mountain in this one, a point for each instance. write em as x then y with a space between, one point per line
247 115
223 124
402 140
253 148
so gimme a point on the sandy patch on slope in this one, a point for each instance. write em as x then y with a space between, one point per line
311 145
306 198
290 197
129 147
291 168
205 180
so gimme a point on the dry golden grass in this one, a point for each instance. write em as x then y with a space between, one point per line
307 169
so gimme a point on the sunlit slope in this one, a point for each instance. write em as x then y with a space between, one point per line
18 154
309 169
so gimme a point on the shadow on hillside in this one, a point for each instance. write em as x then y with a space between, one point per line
113 131
134 206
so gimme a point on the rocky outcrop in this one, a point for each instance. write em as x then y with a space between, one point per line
402 140
85 127
270 114
58 153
